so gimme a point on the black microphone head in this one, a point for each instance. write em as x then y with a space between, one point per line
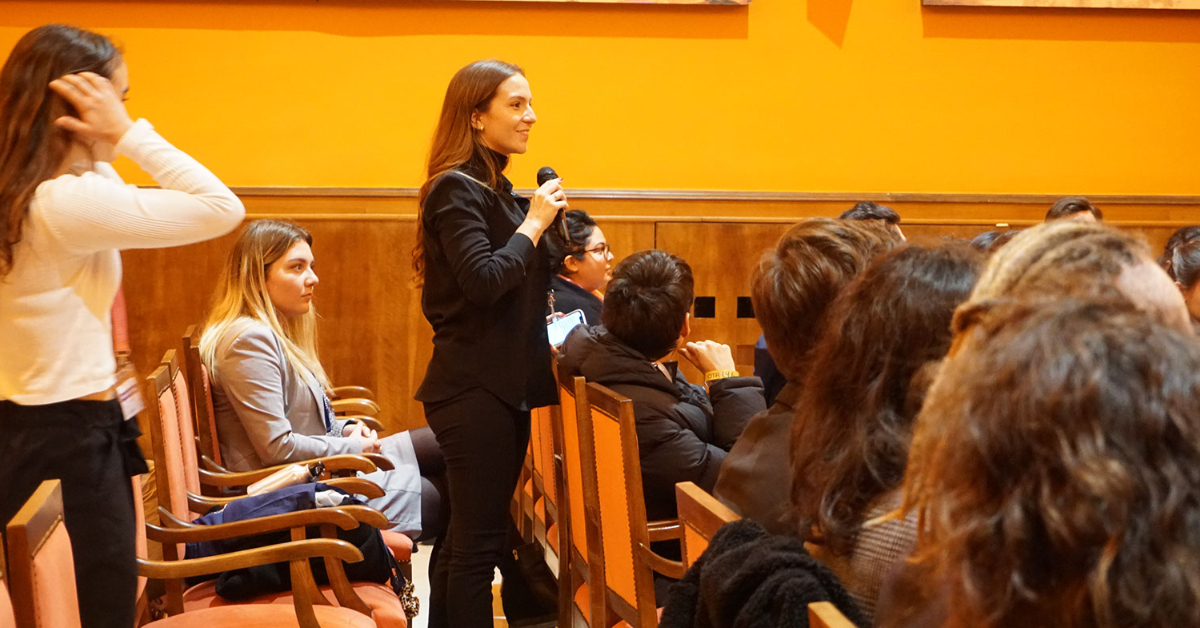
546 173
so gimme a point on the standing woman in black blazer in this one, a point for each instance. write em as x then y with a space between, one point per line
485 281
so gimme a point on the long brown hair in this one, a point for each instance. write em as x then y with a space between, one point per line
1055 467
32 147
854 419
455 141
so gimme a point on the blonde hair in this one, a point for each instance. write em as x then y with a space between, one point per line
241 297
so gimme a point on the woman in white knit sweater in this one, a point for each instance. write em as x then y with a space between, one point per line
64 217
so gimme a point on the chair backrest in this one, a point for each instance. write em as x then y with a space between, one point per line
169 469
579 489
42 572
7 619
826 615
202 402
701 515
187 426
621 508
543 453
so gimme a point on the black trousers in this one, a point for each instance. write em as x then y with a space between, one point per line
93 451
483 441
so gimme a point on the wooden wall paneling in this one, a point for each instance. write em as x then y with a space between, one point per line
721 257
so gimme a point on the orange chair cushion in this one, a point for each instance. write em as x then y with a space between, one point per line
529 488
400 545
264 616
54 581
389 613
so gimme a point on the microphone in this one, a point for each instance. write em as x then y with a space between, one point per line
544 174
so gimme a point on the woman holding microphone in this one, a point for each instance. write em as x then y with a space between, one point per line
485 277
65 216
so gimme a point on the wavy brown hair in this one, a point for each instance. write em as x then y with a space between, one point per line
794 283
32 147
455 141
1055 467
854 419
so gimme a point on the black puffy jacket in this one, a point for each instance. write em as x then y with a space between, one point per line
683 432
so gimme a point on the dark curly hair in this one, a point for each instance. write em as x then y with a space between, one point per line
1055 467
854 419
579 228
1182 236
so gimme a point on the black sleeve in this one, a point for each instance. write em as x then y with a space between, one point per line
671 454
456 214
735 401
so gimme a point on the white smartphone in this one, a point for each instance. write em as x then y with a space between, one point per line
558 329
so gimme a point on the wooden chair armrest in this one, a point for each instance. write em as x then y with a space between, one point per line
357 486
204 503
212 465
665 530
367 515
342 462
250 527
352 392
282 552
380 461
171 521
669 568
365 420
355 406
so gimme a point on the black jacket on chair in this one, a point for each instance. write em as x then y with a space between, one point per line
683 432
484 294
751 579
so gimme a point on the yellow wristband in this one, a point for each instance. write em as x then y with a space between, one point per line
713 375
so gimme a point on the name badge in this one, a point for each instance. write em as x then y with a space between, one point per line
128 392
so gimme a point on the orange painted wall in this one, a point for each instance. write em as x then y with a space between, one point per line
788 95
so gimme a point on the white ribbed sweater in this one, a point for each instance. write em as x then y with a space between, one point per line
55 323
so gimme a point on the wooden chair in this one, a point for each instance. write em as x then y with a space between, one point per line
545 480
7 618
826 615
181 506
580 564
628 562
43 580
201 402
701 515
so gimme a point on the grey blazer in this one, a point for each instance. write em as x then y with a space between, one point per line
257 426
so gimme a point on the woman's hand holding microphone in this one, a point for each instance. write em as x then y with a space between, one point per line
547 201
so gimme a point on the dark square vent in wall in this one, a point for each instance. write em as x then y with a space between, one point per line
704 307
745 309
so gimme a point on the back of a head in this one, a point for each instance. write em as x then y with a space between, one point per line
1185 262
793 284
991 241
32 147
1057 253
1078 259
1073 207
1182 236
647 301
854 418
1056 463
870 210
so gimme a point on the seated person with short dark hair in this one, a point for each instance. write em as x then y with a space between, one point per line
683 431
580 266
870 210
1074 208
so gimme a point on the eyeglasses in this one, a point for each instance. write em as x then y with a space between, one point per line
602 249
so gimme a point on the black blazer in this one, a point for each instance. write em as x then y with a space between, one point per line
569 297
485 293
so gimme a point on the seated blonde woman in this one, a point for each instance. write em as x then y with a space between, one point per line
269 389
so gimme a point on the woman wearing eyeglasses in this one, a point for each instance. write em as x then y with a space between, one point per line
581 267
